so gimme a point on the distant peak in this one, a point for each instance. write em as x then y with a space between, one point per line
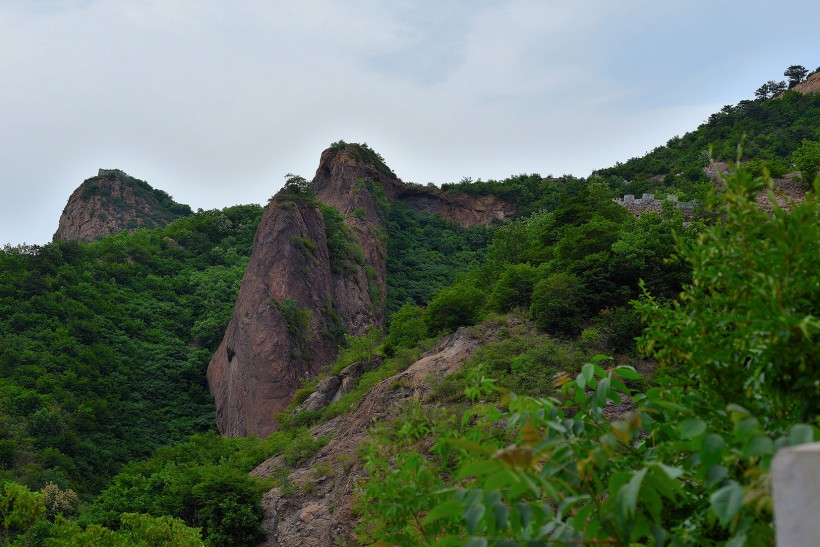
112 202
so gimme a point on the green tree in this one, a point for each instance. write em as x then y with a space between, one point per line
795 74
748 325
513 288
807 159
19 509
407 327
556 305
454 307
296 184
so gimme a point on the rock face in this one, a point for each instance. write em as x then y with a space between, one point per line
809 85
113 202
321 511
314 272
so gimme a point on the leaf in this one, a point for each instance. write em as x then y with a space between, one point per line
530 435
446 509
715 475
569 502
627 498
671 472
587 372
727 502
581 381
800 434
476 542
619 385
627 372
602 392
473 517
525 513
501 513
691 428
518 457
479 469
711 451
759 445
746 428
471 447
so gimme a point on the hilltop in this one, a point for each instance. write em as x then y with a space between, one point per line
112 202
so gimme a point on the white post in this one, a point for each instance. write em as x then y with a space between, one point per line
796 490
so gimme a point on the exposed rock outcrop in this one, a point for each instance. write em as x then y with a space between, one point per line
319 513
809 85
465 210
113 202
296 274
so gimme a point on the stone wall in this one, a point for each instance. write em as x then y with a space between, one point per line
647 202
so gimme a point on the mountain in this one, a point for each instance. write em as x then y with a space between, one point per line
112 202
318 269
404 364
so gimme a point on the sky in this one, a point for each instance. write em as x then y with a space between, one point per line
214 101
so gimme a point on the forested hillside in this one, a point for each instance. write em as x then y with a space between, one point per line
104 345
612 378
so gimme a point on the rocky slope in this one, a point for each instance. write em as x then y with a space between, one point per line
319 511
296 274
810 85
112 202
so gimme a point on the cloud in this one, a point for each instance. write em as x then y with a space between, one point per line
215 101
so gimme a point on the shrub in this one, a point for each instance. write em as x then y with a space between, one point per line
556 305
454 307
513 288
407 327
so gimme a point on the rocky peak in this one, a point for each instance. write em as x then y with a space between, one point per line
112 202
318 268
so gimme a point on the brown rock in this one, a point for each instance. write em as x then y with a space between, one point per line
809 85
320 512
260 362
113 202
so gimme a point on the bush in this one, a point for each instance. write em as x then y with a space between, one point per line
454 307
513 288
556 305
407 327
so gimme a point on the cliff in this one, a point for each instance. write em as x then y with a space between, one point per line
318 268
113 202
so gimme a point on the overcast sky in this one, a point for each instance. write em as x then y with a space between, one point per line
214 101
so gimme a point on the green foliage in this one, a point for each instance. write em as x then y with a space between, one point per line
807 160
407 327
425 254
513 288
19 509
770 130
298 186
136 530
359 349
457 306
204 482
750 326
346 255
556 304
103 346
529 193
685 464
165 209
297 321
